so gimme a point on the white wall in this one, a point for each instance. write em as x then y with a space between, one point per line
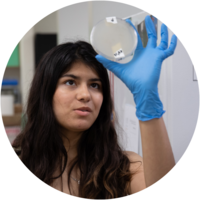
180 97
184 102
48 24
73 23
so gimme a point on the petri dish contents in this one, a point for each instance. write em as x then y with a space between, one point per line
114 38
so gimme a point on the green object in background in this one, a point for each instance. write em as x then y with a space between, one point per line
14 58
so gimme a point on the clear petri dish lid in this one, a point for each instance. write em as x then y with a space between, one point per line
114 38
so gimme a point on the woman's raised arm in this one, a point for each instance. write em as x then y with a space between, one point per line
157 152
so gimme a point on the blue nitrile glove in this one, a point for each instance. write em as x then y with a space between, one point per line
141 74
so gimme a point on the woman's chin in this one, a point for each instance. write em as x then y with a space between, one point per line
80 127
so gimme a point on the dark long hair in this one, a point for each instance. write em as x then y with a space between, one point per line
104 167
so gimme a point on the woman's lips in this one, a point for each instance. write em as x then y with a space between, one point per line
82 113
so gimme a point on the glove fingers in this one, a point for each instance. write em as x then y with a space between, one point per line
110 65
104 61
139 45
168 52
151 32
164 38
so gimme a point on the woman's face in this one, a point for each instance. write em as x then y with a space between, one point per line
78 88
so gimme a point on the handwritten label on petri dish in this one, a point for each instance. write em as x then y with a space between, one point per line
111 20
119 54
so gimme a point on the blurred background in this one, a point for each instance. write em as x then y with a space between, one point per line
178 85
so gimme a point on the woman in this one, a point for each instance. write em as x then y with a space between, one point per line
69 140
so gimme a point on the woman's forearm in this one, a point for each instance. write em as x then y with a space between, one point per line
157 152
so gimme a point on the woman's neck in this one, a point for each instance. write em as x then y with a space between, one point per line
70 141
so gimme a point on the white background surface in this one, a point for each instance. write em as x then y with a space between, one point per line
17 17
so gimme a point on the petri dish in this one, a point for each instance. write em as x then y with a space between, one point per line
114 38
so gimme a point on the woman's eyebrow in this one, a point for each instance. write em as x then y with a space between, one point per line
77 77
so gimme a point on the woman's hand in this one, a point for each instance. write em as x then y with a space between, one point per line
141 74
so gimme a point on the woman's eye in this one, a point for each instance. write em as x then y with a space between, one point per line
70 82
95 85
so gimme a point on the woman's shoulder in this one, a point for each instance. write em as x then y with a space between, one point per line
136 161
136 167
132 156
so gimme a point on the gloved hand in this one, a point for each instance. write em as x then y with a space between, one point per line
141 74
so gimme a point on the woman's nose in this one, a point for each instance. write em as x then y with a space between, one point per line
83 93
